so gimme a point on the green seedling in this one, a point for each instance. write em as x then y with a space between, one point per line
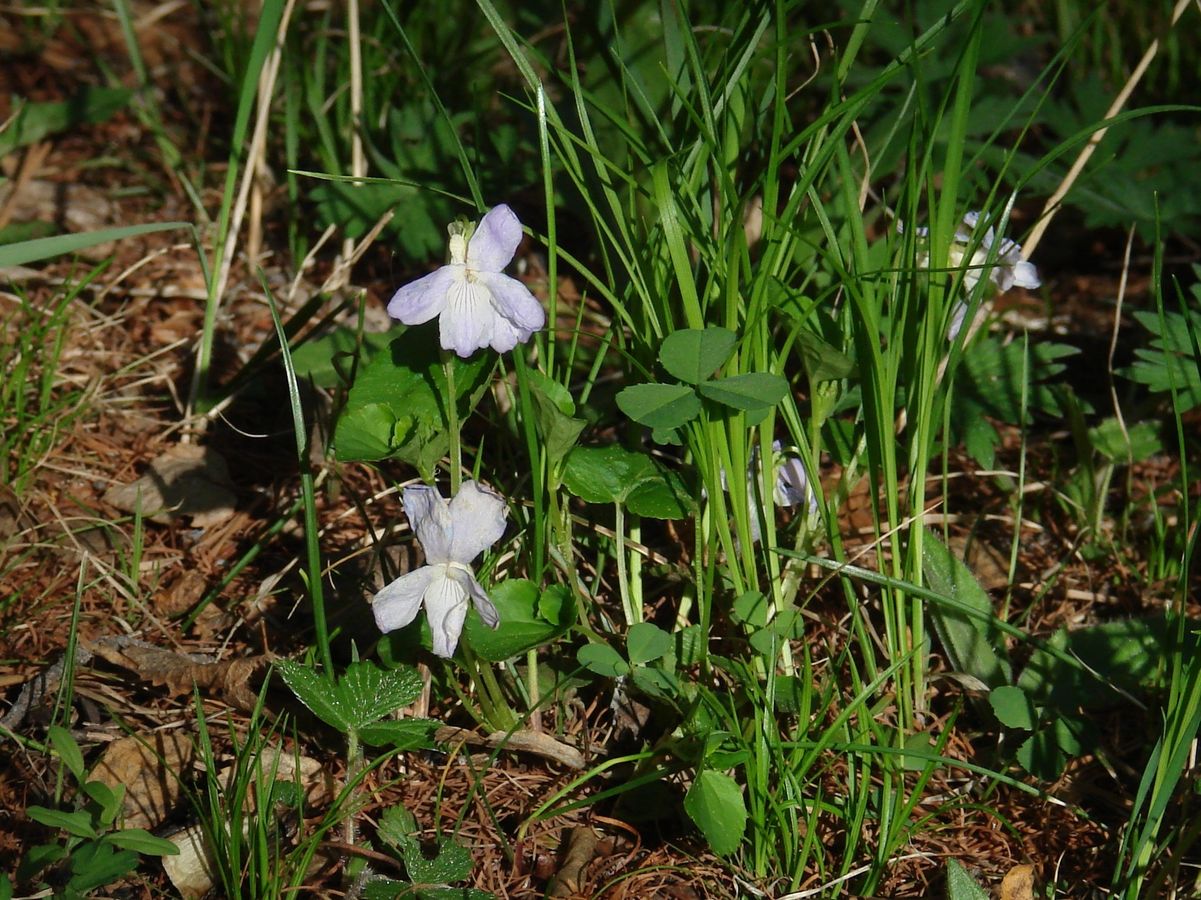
94 850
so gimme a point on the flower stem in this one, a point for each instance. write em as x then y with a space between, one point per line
452 424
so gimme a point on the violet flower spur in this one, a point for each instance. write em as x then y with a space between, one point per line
478 305
452 535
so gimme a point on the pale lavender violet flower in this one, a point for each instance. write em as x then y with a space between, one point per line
478 304
1007 269
452 535
790 487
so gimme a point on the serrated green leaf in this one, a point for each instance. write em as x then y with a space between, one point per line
555 604
455 893
660 406
381 888
972 643
752 391
605 474
663 496
715 804
451 862
1069 731
397 826
316 692
1138 442
961 885
556 421
314 360
693 354
368 693
1013 708
1128 653
603 660
991 380
367 431
646 641
404 734
550 390
522 626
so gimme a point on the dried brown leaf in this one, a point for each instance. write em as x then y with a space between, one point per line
150 767
181 595
313 777
535 742
579 850
230 679
185 481
194 869
1018 883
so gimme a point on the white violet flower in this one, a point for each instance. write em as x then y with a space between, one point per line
1007 269
452 535
790 488
478 304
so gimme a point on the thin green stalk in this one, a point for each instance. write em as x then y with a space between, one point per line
452 424
538 464
633 614
308 495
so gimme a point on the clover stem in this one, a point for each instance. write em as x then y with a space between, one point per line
635 564
354 762
452 424
633 613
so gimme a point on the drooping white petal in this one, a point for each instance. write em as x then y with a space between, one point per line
478 517
1026 275
963 232
495 240
466 322
396 605
431 520
446 609
421 300
513 300
483 605
505 336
